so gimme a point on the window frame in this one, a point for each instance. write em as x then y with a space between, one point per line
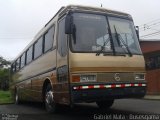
41 37
103 14
52 26
13 66
27 55
18 64
152 62
24 60
58 23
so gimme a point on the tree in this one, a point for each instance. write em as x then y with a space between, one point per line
4 79
4 62
4 73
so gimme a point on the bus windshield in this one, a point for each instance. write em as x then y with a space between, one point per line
93 33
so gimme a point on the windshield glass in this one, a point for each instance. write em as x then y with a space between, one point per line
91 34
124 35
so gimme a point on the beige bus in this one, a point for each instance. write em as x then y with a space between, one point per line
83 54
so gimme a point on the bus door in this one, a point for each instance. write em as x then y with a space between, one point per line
62 84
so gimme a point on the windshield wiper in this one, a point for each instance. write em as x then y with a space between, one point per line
118 41
102 47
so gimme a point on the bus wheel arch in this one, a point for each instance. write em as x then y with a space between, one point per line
45 84
48 97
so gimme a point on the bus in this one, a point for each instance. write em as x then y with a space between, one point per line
83 54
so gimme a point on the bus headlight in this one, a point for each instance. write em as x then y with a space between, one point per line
140 76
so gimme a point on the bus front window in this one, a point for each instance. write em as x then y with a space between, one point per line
124 36
91 33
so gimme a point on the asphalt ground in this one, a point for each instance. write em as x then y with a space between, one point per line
122 109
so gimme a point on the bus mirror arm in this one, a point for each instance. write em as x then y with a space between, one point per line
137 31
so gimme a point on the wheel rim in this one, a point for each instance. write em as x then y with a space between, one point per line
49 99
16 97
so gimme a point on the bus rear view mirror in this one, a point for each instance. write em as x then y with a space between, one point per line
68 23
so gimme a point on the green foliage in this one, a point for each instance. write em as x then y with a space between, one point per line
4 62
4 73
5 97
4 79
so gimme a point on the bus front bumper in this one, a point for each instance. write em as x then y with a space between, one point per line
92 93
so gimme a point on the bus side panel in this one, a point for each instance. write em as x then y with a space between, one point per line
47 61
61 87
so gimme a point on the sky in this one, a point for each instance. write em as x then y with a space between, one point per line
20 20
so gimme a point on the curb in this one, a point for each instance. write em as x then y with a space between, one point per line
6 103
152 97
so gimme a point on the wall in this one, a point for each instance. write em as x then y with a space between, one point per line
153 81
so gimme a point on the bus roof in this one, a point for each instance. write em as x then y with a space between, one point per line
92 9
63 10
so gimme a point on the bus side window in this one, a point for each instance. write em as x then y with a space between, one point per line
13 68
29 55
22 63
62 38
17 64
38 48
49 39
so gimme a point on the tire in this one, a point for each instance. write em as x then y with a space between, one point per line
50 104
105 104
17 100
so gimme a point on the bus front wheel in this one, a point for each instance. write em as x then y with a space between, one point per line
49 100
105 104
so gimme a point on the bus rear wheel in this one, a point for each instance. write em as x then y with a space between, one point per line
50 104
105 104
17 100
